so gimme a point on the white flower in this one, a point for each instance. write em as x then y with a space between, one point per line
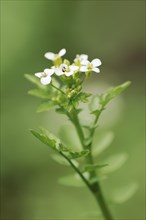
90 66
45 77
80 58
53 56
66 70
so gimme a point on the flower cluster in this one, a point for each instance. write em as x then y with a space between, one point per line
62 67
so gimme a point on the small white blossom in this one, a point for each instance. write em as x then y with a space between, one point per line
80 58
64 69
45 77
53 56
90 66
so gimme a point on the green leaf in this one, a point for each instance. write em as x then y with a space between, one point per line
114 162
72 154
121 195
33 79
75 155
60 159
98 102
97 179
91 167
45 139
82 96
101 141
39 93
111 93
72 180
52 141
95 105
45 106
61 110
69 137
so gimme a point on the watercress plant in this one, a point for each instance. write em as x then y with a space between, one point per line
60 86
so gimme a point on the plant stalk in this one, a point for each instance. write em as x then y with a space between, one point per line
93 187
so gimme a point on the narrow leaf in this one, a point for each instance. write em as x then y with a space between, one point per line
111 93
99 102
33 79
75 155
72 180
44 139
45 106
94 166
95 105
69 137
39 93
59 159
115 162
61 110
123 194
101 142
52 141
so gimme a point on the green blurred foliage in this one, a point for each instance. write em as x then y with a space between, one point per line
113 31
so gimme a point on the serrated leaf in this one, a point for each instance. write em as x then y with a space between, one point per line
44 139
52 141
33 79
122 194
114 162
49 135
90 167
45 106
101 141
72 180
72 154
75 155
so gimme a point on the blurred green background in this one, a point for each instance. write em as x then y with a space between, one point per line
113 31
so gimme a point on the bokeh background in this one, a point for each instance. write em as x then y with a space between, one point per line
113 31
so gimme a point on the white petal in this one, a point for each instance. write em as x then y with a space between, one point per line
83 69
49 71
69 73
83 57
59 72
85 62
62 52
73 68
96 70
63 66
96 62
45 80
39 75
50 55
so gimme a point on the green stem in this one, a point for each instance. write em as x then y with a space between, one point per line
74 118
77 170
93 187
97 192
94 124
58 89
